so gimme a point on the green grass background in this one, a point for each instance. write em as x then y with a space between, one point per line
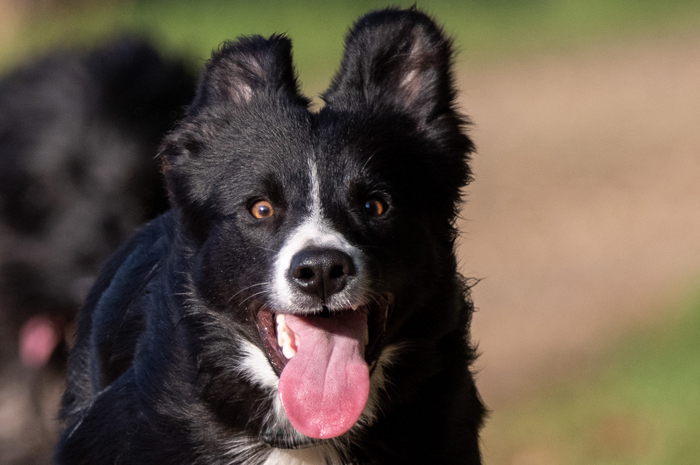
642 404
483 29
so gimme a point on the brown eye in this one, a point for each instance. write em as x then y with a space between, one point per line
262 209
375 207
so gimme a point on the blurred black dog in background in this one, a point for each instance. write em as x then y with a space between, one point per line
78 135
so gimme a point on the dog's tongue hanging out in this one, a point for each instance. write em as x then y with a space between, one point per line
325 386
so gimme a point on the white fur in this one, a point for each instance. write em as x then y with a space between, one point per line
313 231
309 456
316 208
255 367
243 449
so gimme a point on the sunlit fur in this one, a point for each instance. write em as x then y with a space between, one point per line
171 327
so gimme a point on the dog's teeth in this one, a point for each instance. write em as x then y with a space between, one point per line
282 335
285 337
288 351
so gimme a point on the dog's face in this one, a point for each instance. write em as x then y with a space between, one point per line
321 234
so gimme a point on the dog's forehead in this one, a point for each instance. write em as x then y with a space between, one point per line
292 151
287 154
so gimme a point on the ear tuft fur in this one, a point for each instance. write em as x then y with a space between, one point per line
252 74
396 57
399 63
249 67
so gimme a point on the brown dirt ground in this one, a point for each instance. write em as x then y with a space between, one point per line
585 213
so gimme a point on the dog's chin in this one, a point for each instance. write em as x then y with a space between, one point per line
367 322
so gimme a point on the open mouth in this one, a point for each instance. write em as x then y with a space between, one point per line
324 362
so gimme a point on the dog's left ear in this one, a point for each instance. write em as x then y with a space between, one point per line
399 58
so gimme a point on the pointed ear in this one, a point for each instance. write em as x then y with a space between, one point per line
252 72
397 64
246 69
399 58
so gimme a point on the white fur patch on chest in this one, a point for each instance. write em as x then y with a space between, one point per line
310 456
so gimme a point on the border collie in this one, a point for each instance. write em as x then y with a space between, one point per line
301 302
78 133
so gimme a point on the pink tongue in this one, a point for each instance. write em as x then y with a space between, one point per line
325 386
37 340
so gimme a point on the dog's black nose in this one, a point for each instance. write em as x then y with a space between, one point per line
321 272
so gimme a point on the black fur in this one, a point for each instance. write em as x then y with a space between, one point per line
155 374
78 134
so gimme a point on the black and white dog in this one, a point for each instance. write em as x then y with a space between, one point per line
301 302
78 133
77 174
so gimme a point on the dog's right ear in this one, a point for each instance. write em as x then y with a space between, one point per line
248 68
240 76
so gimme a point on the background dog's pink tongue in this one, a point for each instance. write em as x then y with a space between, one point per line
325 386
38 339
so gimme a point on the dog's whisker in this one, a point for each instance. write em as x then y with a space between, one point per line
240 304
368 160
266 248
246 288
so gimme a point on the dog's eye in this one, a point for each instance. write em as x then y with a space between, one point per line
375 207
262 209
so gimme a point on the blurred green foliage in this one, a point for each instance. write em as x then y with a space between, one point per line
641 408
482 29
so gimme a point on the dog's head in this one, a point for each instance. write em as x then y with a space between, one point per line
322 234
